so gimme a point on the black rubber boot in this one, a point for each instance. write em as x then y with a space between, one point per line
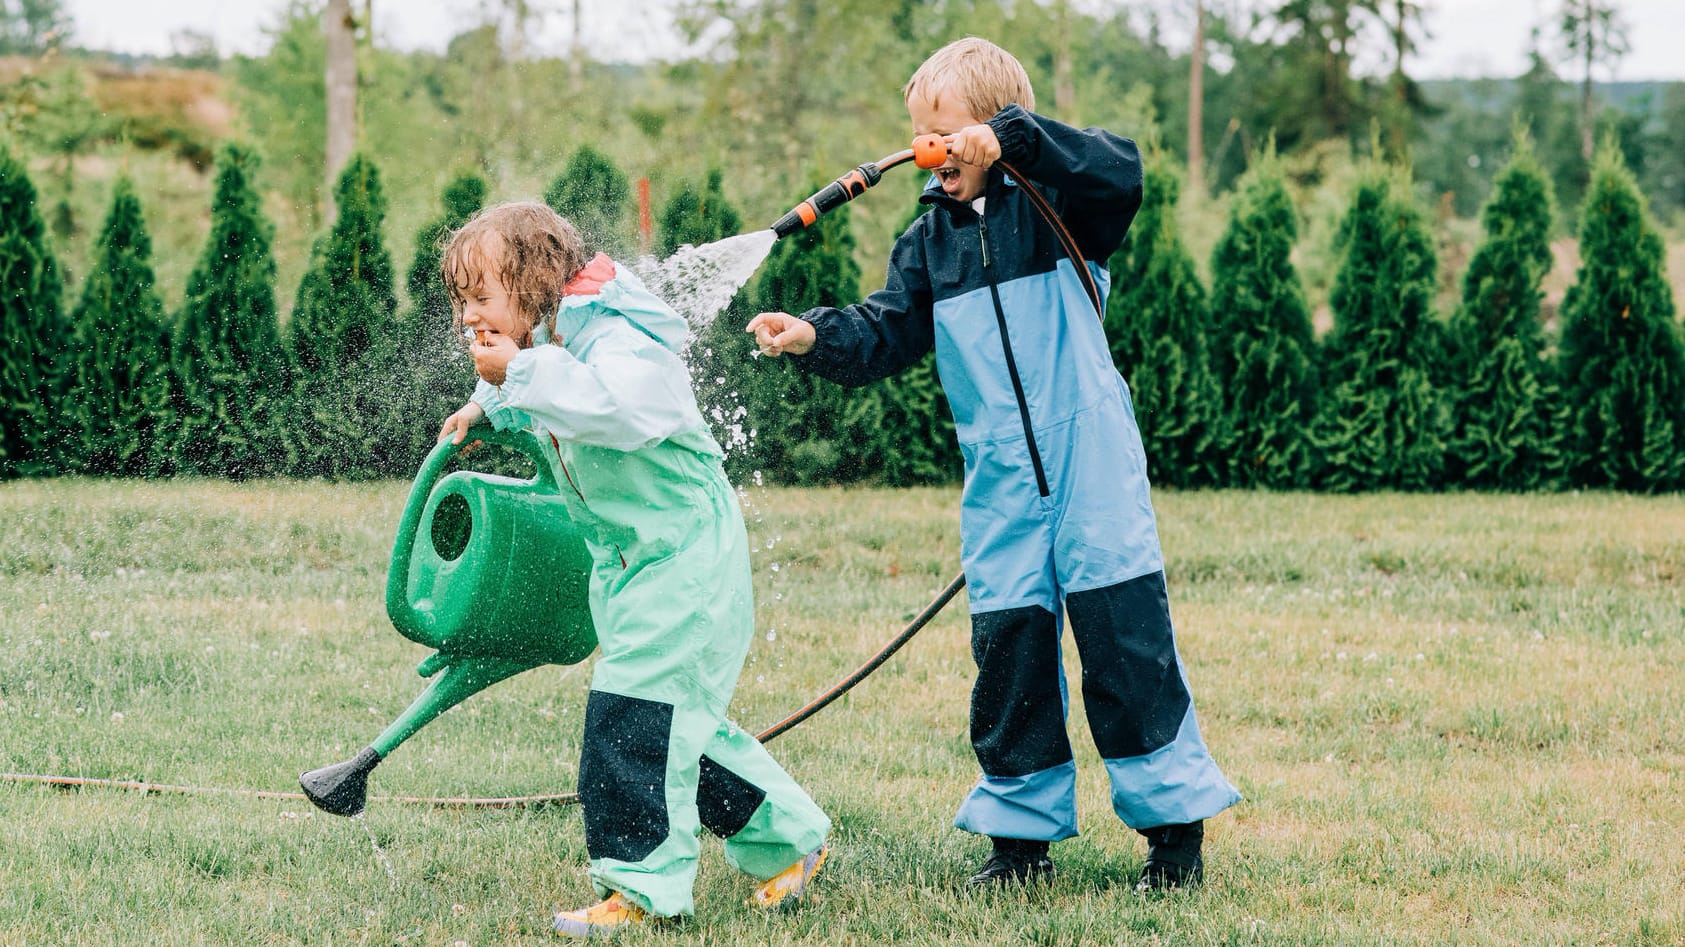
1173 858
1014 862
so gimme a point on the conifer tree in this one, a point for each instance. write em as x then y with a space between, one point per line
121 400
227 354
1622 366
35 340
591 193
1502 431
426 369
805 436
698 216
345 298
345 311
1263 346
1382 423
1162 340
721 352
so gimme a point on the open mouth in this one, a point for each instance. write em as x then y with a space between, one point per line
948 175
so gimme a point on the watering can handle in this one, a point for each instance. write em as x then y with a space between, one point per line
432 469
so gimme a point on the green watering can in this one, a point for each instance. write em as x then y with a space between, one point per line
490 572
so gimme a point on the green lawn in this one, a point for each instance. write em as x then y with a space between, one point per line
1456 719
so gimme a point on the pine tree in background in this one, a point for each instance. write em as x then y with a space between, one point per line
34 345
1263 346
697 217
345 298
1382 423
345 310
591 193
426 368
805 434
1622 366
1128 267
121 400
1163 329
1502 432
721 352
227 354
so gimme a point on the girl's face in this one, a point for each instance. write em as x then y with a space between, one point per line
487 306
962 182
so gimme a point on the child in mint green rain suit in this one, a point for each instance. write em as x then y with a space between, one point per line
577 352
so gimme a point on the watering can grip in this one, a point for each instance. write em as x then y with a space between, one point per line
432 469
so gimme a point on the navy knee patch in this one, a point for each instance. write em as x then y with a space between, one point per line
725 800
1131 685
1017 715
623 775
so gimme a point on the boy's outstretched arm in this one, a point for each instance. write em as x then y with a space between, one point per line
1097 174
867 341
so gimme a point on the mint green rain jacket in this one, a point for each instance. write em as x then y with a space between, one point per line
670 596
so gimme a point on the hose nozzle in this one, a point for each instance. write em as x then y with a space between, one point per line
930 151
842 190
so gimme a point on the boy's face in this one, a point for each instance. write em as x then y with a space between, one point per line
944 116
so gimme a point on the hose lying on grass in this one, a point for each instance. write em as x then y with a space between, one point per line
524 802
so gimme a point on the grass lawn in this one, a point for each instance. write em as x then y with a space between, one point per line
1455 719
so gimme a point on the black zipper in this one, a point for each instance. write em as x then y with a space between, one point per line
1011 363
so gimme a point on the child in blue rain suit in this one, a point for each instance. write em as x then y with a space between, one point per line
1055 518
577 352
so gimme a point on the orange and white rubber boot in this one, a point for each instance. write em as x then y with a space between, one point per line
787 887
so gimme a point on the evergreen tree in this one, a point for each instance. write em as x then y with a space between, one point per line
345 311
1263 345
1382 422
805 436
592 194
1622 365
1502 433
227 355
425 370
121 400
1163 329
345 298
721 353
35 344
697 217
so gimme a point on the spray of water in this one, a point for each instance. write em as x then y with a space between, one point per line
699 282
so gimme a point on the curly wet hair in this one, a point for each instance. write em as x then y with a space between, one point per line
532 250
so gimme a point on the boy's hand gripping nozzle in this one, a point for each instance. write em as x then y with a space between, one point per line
928 151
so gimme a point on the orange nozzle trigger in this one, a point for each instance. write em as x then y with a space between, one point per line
930 151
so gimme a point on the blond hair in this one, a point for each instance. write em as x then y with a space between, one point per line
532 250
984 76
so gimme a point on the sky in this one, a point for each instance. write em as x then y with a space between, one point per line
1468 38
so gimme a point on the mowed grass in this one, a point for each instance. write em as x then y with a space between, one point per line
1455 719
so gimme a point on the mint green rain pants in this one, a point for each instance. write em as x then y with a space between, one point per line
674 613
670 595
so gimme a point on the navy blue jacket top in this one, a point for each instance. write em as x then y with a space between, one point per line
1019 345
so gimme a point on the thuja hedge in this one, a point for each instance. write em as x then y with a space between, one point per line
1231 388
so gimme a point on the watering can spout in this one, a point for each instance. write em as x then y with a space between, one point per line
343 788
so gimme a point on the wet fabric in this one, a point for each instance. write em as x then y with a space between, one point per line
1056 514
670 595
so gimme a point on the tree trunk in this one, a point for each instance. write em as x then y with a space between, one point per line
1196 106
1587 140
1064 89
341 81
